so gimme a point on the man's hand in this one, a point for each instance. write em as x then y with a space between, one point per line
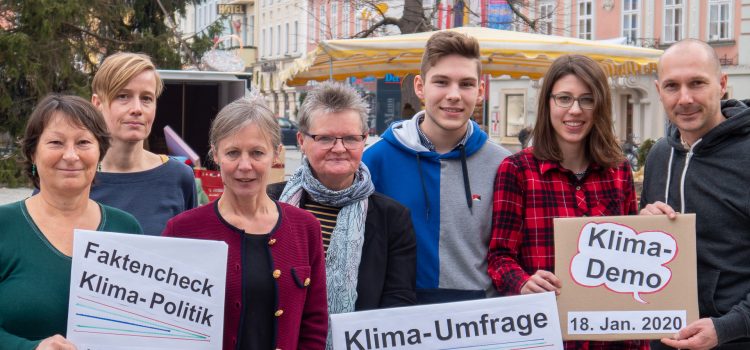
56 342
542 281
659 208
700 334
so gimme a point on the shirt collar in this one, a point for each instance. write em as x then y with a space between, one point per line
546 166
430 146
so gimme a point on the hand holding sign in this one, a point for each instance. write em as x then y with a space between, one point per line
622 259
542 281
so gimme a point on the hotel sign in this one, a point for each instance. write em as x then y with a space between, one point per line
230 9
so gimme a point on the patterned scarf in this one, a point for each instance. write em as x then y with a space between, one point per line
345 249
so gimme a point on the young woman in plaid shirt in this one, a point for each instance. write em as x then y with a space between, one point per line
574 168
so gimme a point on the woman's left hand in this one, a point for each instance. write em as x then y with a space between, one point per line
542 281
56 342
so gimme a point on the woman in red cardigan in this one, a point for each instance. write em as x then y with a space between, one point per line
276 292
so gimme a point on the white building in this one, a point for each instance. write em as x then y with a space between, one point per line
282 38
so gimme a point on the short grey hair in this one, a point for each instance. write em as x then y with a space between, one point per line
332 97
240 113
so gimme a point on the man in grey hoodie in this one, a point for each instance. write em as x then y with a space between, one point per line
701 167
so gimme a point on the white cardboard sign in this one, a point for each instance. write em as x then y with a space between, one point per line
525 321
146 292
623 260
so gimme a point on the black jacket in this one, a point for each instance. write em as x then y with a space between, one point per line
717 189
387 271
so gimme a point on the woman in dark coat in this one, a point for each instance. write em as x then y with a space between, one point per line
368 237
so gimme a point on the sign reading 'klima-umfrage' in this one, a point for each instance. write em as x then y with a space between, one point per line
133 291
520 322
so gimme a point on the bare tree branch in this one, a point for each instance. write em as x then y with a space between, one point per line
385 21
96 36
172 24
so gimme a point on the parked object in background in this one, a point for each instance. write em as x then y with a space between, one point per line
178 147
288 131
631 153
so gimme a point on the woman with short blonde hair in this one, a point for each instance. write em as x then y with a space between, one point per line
152 187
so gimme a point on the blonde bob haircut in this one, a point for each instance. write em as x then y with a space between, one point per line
117 70
600 144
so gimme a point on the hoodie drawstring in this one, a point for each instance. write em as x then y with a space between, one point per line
424 189
467 184
669 177
682 177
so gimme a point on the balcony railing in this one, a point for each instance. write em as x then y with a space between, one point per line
727 61
651 43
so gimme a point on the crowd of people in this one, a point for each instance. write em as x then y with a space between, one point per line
432 213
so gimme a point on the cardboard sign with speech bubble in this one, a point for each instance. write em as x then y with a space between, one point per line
625 277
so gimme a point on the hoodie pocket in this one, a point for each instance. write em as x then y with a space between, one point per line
301 276
708 279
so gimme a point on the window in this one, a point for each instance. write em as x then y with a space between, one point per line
585 20
294 37
250 32
719 21
546 18
263 42
322 22
357 23
334 22
630 21
514 114
287 38
270 41
346 22
673 20
278 39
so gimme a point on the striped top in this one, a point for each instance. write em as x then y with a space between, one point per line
325 214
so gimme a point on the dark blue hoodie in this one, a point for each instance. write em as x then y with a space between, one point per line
712 180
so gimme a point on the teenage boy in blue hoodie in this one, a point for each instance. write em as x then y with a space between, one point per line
441 166
701 167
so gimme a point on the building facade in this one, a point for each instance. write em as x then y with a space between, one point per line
238 21
282 37
724 24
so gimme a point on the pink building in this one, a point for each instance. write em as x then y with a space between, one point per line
724 24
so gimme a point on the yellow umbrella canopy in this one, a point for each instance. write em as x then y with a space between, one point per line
516 54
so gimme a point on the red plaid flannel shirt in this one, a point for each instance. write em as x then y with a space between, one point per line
528 194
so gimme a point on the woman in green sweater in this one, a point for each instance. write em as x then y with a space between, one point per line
65 139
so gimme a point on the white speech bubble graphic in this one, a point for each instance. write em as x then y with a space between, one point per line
622 259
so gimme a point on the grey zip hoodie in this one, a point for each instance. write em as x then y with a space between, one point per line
712 180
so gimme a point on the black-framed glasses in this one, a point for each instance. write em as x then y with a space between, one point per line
349 141
566 101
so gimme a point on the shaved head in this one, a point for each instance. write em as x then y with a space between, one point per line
689 48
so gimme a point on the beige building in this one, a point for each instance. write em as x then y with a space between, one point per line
238 19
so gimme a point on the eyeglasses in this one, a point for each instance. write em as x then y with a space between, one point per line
350 141
566 101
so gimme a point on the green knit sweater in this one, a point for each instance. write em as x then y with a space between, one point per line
35 276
